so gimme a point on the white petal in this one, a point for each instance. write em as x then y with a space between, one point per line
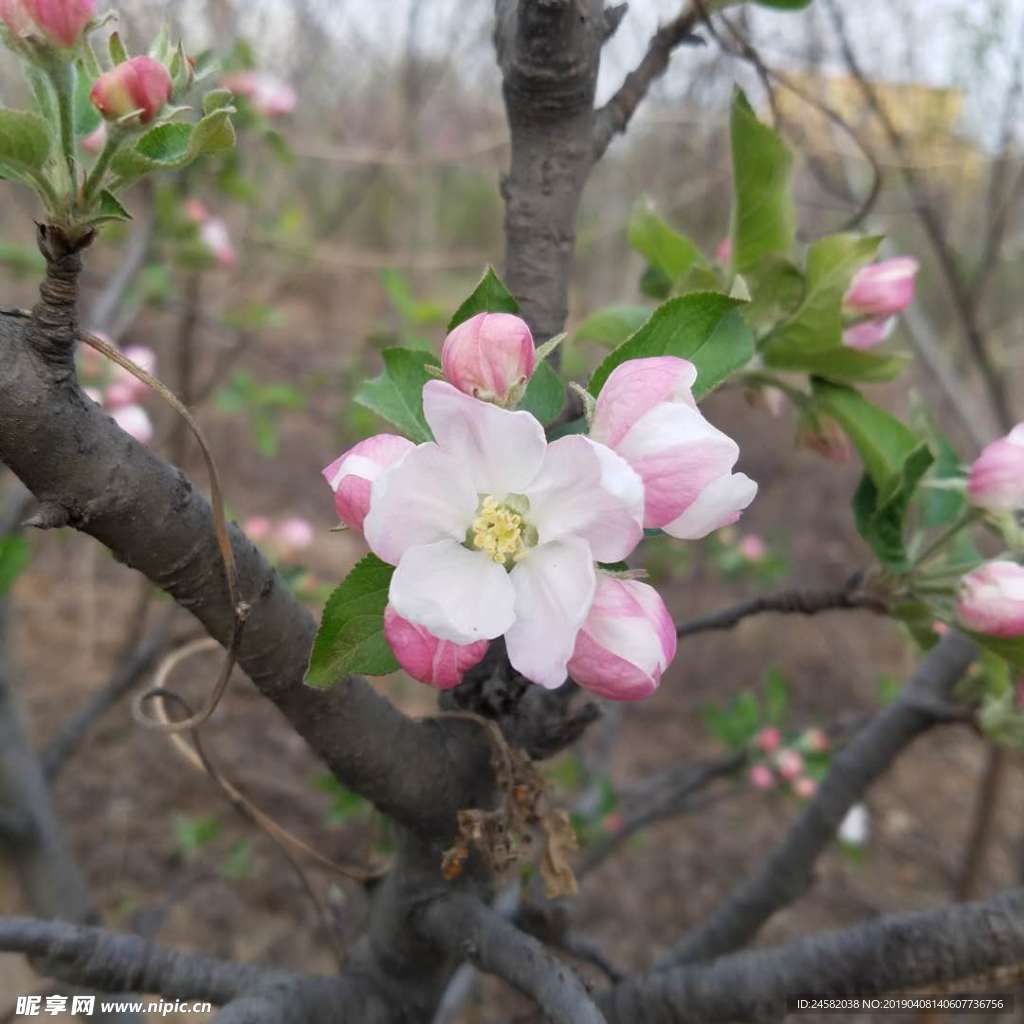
585 490
456 594
501 451
423 498
719 504
554 588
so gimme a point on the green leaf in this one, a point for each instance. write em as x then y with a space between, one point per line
87 117
764 219
351 636
612 325
545 394
213 134
489 296
942 506
811 340
895 459
655 284
397 394
704 327
665 249
14 557
784 5
25 143
109 210
1010 648
776 288
173 145
192 834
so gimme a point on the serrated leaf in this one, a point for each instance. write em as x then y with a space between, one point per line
217 99
109 210
14 558
764 218
612 325
25 143
704 327
173 145
664 248
397 394
811 340
489 296
351 635
213 134
545 394
895 459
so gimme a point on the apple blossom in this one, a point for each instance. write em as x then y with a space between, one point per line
134 420
494 532
427 658
96 139
646 413
881 289
768 739
490 356
868 333
195 210
139 84
626 643
815 740
790 764
257 527
124 387
213 233
992 599
855 828
60 21
996 480
753 548
762 777
351 475
805 787
294 534
269 95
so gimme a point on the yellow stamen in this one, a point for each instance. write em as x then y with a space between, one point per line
498 531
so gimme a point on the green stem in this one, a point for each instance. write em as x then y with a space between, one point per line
944 538
63 77
99 169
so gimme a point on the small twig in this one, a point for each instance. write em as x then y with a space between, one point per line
789 602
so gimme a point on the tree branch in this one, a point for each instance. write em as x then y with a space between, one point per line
933 948
467 929
786 873
614 117
788 602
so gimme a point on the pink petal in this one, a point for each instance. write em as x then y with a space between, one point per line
425 657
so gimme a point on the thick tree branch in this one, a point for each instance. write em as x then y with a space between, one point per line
788 602
468 929
786 873
75 459
614 117
894 954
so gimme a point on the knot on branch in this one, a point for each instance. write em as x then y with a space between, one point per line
54 326
50 515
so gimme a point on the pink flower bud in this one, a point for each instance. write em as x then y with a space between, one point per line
815 740
940 628
427 658
992 599
351 475
646 413
491 357
882 289
724 251
134 420
294 534
213 233
790 764
139 84
868 333
762 777
269 95
626 643
257 527
997 476
60 21
195 210
753 548
805 787
768 739
96 139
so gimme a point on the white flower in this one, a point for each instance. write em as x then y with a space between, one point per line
495 532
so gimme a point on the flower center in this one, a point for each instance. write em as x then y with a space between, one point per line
500 531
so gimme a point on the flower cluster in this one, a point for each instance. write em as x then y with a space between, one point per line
877 293
788 764
495 532
117 391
